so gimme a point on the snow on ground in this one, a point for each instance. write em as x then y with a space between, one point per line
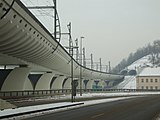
152 71
144 61
129 82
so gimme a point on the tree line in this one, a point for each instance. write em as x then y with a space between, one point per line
151 49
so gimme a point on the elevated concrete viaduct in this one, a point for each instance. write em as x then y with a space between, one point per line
25 42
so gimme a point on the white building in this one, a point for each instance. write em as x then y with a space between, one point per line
149 78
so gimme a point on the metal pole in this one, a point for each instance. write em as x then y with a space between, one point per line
91 61
100 61
96 66
84 57
109 67
77 53
106 68
81 66
70 38
55 18
72 98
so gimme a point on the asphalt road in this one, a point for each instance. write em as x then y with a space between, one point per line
140 108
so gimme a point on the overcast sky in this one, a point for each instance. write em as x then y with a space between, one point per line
112 28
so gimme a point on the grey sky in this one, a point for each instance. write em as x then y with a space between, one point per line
112 28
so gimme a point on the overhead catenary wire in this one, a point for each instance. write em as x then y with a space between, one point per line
56 29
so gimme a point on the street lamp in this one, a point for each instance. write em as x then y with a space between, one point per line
81 65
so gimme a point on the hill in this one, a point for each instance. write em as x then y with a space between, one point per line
151 53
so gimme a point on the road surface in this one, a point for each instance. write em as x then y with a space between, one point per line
140 108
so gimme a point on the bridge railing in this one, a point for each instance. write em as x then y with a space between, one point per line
36 93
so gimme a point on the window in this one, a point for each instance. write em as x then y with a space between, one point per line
151 87
151 80
142 80
142 87
146 87
156 80
146 80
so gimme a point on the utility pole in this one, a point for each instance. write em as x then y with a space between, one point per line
106 68
55 18
96 66
109 66
77 53
81 66
72 96
70 37
84 58
71 54
100 62
91 61
71 47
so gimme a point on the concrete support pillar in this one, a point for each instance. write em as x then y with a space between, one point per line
67 84
15 81
107 83
28 85
96 84
57 84
85 83
44 81
90 84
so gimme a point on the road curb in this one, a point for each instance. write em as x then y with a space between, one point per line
13 114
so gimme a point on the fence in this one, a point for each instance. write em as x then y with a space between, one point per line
31 93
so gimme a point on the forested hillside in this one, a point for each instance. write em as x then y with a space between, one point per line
151 49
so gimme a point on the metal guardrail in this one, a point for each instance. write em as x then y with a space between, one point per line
31 93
